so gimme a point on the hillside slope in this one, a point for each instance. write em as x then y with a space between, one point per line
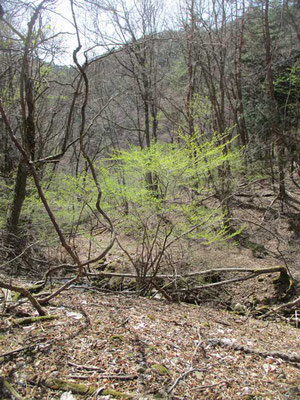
148 349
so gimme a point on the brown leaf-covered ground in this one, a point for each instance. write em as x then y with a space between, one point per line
150 344
158 350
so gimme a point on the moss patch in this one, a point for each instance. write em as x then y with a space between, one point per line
116 338
161 369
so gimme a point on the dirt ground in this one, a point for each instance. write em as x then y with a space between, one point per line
111 345
149 349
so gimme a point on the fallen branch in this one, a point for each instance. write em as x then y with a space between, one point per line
282 307
79 388
31 320
46 300
10 353
10 389
86 367
106 376
25 293
191 274
56 268
162 291
236 346
253 274
183 376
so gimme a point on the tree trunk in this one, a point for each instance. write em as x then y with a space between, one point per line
274 112
18 200
191 68
242 122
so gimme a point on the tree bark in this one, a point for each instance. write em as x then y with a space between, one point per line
274 111
18 200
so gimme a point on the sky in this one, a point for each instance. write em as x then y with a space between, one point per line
63 21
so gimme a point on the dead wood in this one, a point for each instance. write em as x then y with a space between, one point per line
56 268
162 291
253 274
183 376
265 354
282 307
25 293
31 320
19 350
86 367
257 271
46 300
106 376
79 388
117 377
9 388
250 274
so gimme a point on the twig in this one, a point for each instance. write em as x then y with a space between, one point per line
236 346
11 389
123 323
191 370
10 353
183 376
86 367
199 344
119 377
80 377
210 386
270 206
19 255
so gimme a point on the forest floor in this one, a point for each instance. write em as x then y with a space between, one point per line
107 345
147 349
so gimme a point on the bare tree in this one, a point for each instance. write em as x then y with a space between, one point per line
36 105
27 148
235 80
137 42
275 123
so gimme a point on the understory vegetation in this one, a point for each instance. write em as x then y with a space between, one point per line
149 162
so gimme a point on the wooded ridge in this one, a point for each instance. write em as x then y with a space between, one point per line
149 160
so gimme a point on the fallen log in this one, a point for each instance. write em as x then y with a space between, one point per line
257 271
